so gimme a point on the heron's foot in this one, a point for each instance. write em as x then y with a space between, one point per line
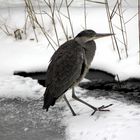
102 108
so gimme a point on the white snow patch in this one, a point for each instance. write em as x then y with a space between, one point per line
20 87
121 123
23 56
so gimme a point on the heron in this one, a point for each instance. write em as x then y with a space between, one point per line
68 66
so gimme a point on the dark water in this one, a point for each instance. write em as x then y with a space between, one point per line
25 120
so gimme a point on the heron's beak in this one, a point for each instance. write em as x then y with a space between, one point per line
98 35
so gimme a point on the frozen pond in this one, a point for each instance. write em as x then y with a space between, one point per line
25 120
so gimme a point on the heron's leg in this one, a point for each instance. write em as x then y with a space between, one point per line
102 108
76 98
71 109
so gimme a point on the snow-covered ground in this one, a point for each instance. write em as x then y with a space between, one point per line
19 87
123 120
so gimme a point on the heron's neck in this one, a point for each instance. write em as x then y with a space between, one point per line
81 40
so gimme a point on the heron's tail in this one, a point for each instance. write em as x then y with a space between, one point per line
49 100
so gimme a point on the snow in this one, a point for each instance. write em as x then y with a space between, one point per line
19 87
123 120
31 56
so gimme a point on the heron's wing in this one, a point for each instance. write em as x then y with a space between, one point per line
65 68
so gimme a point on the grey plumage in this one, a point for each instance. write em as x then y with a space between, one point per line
68 65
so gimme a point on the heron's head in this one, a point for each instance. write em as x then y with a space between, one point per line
88 35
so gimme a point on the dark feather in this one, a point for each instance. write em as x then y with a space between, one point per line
48 100
64 71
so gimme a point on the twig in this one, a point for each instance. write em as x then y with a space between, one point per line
131 18
119 28
119 83
120 41
31 15
96 2
25 25
122 27
114 10
6 32
69 17
70 3
125 33
62 25
52 10
7 29
41 14
47 14
139 27
63 15
60 5
114 41
85 14
33 20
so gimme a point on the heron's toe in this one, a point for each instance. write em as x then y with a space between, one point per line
102 108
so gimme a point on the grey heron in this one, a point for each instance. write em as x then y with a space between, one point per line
68 66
